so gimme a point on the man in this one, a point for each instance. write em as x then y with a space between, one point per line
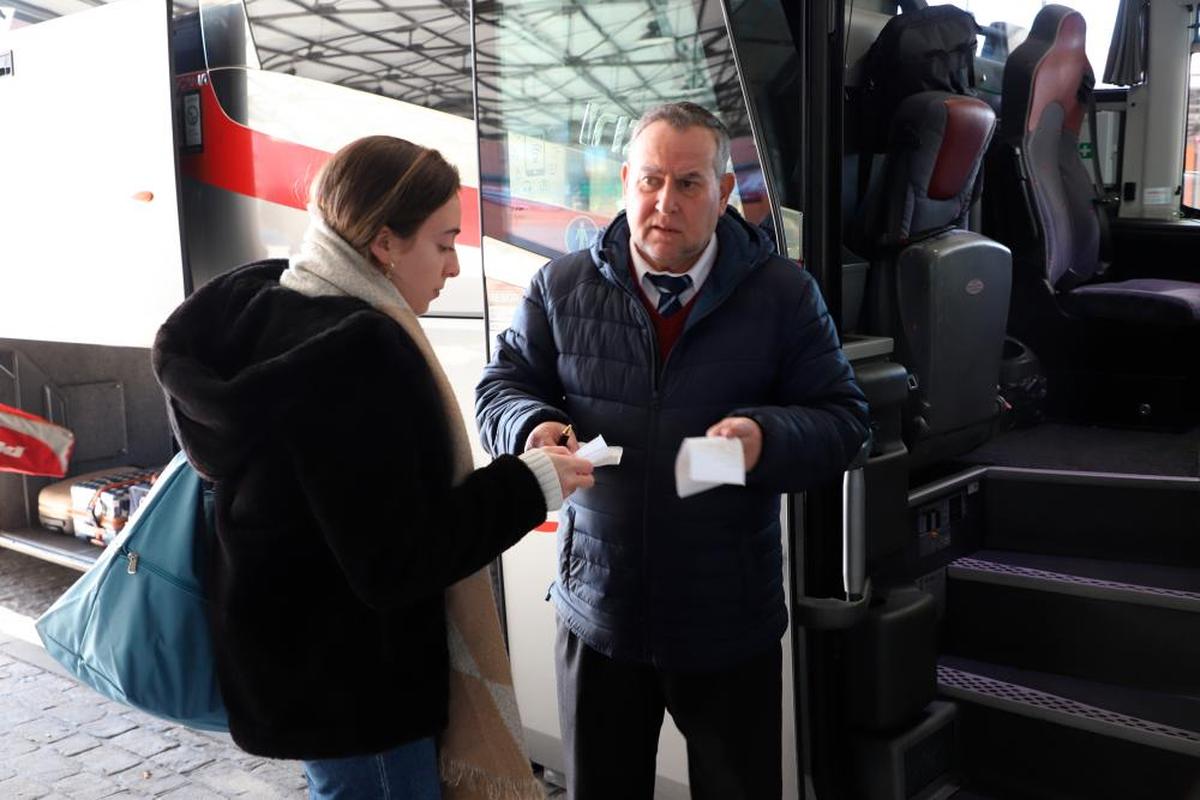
679 321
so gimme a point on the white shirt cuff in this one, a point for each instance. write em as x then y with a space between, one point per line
547 476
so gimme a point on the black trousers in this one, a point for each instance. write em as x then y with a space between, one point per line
611 712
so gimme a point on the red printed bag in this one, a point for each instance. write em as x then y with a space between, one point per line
31 445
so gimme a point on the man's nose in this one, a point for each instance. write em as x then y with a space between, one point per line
665 202
453 268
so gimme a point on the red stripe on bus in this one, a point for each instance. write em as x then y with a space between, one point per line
249 162
547 527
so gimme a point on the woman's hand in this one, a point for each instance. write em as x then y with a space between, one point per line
573 472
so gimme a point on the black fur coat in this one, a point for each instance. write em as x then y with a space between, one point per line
338 527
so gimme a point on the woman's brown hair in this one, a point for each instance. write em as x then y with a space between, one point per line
382 180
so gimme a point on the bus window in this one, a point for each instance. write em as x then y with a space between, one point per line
1191 151
559 93
1005 15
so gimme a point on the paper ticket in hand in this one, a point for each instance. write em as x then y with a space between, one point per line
707 461
599 453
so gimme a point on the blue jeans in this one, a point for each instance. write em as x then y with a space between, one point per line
410 772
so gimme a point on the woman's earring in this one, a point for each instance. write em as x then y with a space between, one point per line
390 269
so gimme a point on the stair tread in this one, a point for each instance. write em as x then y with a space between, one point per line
1182 582
1174 711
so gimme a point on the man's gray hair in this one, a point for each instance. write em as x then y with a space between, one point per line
682 116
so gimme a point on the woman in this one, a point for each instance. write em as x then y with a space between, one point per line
346 499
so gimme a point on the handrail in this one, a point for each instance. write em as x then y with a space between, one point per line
831 613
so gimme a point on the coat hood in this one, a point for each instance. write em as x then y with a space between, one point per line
234 355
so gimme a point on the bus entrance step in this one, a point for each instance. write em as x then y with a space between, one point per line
1044 735
1116 622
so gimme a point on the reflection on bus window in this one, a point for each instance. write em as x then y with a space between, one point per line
560 89
770 66
415 51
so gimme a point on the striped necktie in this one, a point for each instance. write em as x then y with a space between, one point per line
669 288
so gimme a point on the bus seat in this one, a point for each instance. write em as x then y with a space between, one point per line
940 291
1111 348
1043 109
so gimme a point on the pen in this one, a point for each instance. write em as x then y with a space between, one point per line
565 436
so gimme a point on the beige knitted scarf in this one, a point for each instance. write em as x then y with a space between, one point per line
481 752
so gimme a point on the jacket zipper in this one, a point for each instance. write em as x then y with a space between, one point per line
643 317
656 375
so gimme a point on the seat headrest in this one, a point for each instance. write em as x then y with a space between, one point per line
1048 67
934 153
966 127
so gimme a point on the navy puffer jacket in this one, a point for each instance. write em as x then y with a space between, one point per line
692 584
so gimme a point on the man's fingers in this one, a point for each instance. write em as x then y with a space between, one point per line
544 435
731 428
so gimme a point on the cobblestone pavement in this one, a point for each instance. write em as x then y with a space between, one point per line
59 739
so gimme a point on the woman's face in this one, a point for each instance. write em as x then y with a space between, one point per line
422 263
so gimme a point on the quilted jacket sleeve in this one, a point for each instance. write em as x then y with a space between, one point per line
520 388
821 420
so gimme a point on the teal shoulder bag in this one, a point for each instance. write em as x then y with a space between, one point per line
135 626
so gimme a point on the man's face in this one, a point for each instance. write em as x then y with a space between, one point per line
673 197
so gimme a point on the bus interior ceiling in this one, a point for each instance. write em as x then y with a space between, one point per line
1058 540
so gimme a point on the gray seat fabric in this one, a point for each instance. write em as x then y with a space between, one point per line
1143 301
939 291
1043 112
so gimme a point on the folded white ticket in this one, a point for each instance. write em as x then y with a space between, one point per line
707 461
599 453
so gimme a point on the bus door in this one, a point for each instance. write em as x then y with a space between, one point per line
558 95
90 247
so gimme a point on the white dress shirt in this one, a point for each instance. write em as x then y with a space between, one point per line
698 272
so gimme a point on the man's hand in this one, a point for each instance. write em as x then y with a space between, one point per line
747 431
549 434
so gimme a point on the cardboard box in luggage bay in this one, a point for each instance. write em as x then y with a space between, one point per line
55 506
101 506
137 493
54 501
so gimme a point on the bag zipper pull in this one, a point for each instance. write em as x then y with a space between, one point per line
133 559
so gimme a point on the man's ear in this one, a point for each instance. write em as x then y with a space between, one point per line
727 181
624 172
